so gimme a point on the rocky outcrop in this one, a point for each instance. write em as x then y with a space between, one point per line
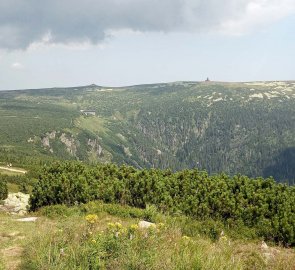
16 203
95 147
69 143
45 142
51 135
127 151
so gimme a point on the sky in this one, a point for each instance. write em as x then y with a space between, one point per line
55 43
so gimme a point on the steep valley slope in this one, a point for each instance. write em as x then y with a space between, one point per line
246 128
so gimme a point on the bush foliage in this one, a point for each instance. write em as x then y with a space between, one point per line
256 203
3 190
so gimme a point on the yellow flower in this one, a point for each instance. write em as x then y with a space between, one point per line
161 225
185 238
92 218
134 227
93 241
119 225
223 238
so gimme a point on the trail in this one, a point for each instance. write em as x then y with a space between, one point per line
12 257
13 170
12 237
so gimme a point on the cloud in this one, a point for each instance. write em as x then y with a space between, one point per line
23 22
17 66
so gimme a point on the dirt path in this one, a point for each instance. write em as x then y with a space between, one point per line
14 231
12 169
13 237
12 257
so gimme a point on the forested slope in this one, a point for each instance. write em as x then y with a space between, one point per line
246 128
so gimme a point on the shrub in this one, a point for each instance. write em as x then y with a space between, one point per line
258 203
3 190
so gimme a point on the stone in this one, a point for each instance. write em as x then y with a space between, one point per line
27 219
16 203
264 245
145 224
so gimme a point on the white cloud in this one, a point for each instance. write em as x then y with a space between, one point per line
17 66
257 13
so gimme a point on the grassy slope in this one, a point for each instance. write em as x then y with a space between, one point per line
63 239
11 186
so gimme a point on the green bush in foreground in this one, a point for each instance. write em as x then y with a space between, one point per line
256 203
3 190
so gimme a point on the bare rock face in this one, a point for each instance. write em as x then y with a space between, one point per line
127 151
45 142
69 143
51 135
16 203
95 147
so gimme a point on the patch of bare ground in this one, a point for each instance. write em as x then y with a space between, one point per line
12 257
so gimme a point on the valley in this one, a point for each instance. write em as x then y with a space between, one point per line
246 128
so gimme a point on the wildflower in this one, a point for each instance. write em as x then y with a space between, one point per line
93 241
118 225
111 225
62 252
223 238
92 218
134 227
160 226
185 238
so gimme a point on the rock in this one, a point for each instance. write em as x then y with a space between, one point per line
145 224
51 135
264 246
45 142
95 146
159 152
69 143
127 151
28 219
16 203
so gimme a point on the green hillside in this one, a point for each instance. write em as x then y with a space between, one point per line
246 128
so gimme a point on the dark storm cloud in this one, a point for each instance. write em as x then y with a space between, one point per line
23 22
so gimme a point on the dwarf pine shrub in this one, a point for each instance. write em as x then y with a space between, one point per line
3 190
256 203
